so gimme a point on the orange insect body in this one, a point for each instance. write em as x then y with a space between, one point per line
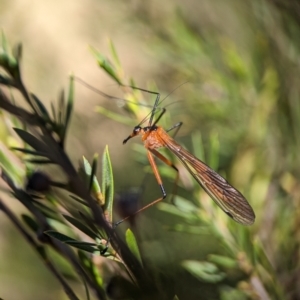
154 139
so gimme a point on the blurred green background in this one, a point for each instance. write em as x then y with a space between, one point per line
239 61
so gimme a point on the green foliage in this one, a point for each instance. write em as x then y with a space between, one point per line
244 101
205 271
132 244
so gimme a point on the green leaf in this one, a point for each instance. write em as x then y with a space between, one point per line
81 226
17 53
132 244
15 170
61 108
228 293
107 184
70 102
7 61
41 108
114 54
89 247
175 212
93 179
39 161
59 236
89 266
106 65
3 79
69 108
85 260
223 261
94 185
53 112
30 222
28 151
32 141
79 200
45 208
205 271
6 178
42 251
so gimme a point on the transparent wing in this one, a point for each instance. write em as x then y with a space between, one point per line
227 197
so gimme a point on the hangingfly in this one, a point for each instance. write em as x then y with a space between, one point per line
232 202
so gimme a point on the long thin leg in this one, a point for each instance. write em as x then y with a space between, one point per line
176 126
158 179
169 163
155 170
158 118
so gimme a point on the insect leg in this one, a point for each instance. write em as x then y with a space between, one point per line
159 181
176 126
169 163
155 170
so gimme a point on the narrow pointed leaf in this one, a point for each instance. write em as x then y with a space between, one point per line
81 226
61 108
70 102
79 200
53 112
6 178
39 161
32 140
17 52
41 107
94 185
132 244
89 247
223 261
43 207
28 151
14 169
30 222
106 65
92 175
204 271
89 266
59 236
107 184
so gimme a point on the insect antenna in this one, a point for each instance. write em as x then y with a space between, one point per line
92 88
156 107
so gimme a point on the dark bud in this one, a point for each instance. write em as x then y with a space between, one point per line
120 288
128 203
38 182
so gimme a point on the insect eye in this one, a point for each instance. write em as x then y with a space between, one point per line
137 129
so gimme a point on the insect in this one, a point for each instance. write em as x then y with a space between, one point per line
230 200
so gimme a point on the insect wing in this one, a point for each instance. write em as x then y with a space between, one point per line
232 202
